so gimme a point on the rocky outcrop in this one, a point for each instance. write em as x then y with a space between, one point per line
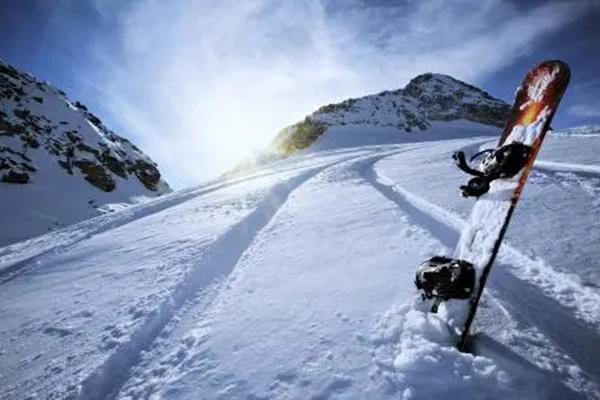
37 118
299 136
443 98
425 99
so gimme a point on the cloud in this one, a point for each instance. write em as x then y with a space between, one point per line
199 83
585 110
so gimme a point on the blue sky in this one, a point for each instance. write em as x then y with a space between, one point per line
199 84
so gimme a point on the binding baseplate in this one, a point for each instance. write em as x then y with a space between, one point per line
503 162
443 278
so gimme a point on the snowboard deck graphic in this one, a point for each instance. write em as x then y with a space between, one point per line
535 103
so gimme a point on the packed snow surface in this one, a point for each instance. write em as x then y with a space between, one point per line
295 281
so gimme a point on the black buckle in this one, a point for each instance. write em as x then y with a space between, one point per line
475 187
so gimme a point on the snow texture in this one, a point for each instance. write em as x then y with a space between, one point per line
428 97
296 281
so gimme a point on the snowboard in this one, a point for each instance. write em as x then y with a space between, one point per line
536 101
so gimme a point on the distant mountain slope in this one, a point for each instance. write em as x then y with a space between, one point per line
588 130
58 162
426 99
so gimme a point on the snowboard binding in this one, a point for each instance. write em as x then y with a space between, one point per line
443 278
503 162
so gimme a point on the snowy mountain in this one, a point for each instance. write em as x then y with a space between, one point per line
59 163
590 130
426 99
296 281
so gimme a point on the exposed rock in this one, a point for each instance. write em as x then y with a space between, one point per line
426 98
96 175
15 177
299 136
443 98
80 106
59 163
147 173
88 149
114 164
78 138
66 165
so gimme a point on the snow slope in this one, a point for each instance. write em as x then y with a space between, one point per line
425 101
59 163
295 281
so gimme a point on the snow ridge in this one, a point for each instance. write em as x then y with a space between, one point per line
425 99
217 263
59 163
518 276
586 303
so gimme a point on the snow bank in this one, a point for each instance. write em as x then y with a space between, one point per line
415 353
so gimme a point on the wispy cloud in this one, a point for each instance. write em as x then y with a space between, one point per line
200 82
585 110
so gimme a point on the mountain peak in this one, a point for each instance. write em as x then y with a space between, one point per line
425 99
432 77
441 83
59 163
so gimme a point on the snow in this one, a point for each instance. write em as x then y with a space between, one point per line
426 99
414 346
54 198
355 135
295 280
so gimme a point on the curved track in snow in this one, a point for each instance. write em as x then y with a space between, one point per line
26 255
535 271
200 269
581 169
528 289
215 265
306 254
528 321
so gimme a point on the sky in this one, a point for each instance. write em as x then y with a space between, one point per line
199 85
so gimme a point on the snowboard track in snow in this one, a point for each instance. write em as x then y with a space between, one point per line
72 235
526 297
534 302
216 264
584 170
527 268
109 377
